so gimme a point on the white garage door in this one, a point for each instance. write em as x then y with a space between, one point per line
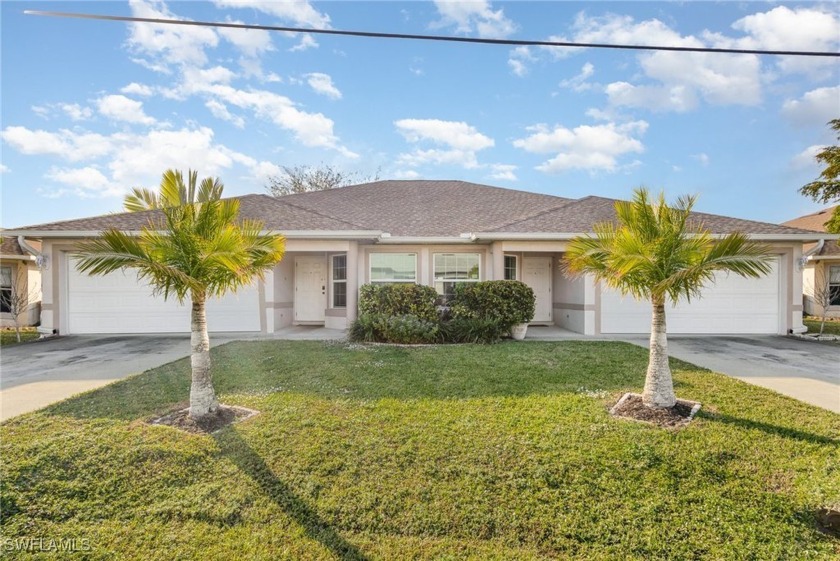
119 303
732 304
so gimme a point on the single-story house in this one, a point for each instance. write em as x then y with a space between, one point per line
436 233
820 267
20 282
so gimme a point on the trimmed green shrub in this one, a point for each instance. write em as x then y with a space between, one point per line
505 302
405 329
398 299
473 330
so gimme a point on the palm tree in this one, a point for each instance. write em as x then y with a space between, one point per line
658 253
193 248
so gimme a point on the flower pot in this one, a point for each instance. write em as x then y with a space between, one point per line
518 331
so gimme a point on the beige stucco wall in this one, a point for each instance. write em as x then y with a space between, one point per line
26 279
814 276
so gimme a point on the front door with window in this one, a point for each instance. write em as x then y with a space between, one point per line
310 289
536 273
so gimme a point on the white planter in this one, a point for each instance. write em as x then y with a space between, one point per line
518 331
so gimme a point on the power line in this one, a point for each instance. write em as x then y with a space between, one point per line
445 38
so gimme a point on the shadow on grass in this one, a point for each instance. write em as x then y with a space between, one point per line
238 451
774 430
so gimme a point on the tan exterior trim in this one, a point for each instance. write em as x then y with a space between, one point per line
46 307
336 312
576 307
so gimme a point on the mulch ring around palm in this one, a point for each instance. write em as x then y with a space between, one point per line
631 406
223 416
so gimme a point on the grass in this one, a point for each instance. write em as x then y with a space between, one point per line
8 336
832 326
457 452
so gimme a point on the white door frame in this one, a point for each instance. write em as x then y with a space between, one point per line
314 311
548 296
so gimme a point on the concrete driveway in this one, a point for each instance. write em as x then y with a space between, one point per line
806 370
36 374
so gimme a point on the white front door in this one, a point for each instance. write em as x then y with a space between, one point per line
310 289
536 273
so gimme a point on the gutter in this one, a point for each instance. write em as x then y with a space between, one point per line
813 251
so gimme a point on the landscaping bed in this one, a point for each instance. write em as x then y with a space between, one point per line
499 452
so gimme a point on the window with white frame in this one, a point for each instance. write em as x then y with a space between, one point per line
5 289
339 281
393 267
834 284
453 268
511 267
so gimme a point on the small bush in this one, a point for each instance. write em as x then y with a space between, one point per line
473 330
404 329
398 299
506 302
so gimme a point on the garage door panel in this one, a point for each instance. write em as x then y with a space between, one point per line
120 303
732 304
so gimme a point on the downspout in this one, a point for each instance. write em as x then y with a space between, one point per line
28 248
813 251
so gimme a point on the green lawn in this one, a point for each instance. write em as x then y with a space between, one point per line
455 452
832 326
8 336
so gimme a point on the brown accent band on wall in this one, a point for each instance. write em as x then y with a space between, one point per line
336 312
280 305
46 307
794 308
576 307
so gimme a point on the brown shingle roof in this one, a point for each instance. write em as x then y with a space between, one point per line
423 209
581 215
10 246
816 221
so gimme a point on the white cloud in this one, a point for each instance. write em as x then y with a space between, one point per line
677 98
121 108
43 111
702 157
137 89
503 172
322 83
299 12
518 60
164 45
474 17
799 29
585 147
815 107
220 111
85 182
460 141
75 111
307 41
807 158
251 42
456 134
579 82
66 144
4 168
406 174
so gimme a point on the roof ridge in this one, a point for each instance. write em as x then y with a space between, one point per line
318 213
565 203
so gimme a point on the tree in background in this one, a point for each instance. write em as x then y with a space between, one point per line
826 189
195 248
657 253
303 179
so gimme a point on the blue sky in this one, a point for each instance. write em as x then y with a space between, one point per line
91 108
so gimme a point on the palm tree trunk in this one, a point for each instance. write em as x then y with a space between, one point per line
659 387
202 395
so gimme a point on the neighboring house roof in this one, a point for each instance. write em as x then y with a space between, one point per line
816 221
420 209
10 248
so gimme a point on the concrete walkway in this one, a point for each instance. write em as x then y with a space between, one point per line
36 374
